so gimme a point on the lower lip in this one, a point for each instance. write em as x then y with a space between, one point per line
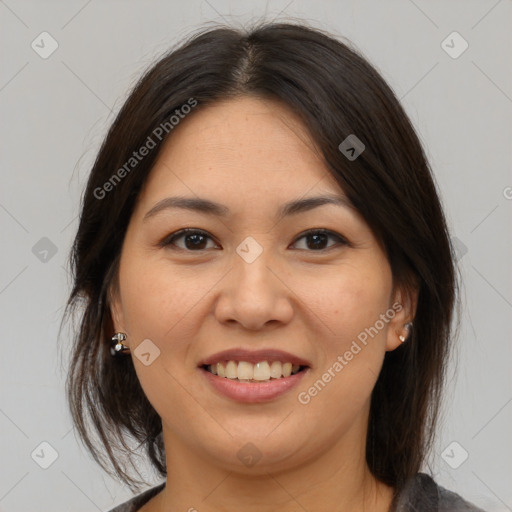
253 392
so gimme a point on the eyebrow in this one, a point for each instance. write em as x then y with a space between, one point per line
212 208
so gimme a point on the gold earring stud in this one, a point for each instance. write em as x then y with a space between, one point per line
408 326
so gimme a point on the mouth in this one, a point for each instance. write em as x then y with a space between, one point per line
254 365
253 376
263 371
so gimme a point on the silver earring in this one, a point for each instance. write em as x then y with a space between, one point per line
117 345
408 328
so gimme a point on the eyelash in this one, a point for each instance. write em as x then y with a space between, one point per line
171 239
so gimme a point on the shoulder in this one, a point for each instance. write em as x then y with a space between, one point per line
422 494
139 500
450 501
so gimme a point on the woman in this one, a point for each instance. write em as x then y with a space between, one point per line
268 284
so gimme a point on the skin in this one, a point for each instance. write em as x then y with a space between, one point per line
252 156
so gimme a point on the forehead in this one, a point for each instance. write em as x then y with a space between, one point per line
248 122
246 143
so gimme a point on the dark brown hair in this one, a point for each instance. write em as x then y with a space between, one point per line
335 92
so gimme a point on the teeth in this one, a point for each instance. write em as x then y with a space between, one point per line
262 371
276 369
232 370
245 370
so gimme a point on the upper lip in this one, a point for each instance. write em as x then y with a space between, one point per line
254 356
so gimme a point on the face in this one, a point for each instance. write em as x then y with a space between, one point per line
311 282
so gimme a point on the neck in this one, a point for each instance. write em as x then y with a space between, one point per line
338 479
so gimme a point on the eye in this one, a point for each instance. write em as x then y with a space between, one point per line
317 239
195 239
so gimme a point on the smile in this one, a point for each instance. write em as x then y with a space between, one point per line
251 390
263 371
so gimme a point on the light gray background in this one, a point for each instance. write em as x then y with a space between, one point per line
55 112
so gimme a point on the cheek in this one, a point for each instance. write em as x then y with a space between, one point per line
166 303
350 304
350 351
348 300
351 342
158 304
154 298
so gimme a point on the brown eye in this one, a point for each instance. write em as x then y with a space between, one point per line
194 240
317 239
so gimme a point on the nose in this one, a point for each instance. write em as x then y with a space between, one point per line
254 295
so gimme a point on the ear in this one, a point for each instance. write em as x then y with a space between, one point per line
404 303
115 309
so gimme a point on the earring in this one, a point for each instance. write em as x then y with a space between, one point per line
408 328
117 345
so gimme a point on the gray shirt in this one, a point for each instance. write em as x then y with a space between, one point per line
421 494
